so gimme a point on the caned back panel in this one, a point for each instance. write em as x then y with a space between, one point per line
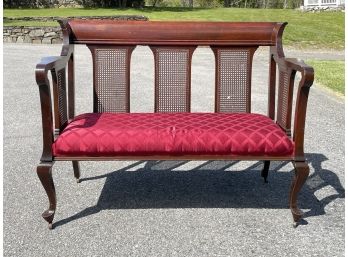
285 94
172 78
111 71
60 98
233 78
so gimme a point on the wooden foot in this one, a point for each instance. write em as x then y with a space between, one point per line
301 175
76 168
264 172
44 171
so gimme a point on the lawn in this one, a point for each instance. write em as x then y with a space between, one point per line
329 74
305 30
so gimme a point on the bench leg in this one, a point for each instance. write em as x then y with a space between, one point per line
264 172
301 175
44 171
76 168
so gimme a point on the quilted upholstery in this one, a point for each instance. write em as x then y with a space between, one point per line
112 134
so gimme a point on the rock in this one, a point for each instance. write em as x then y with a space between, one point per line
27 39
37 33
36 41
57 41
6 34
14 39
47 40
7 39
20 39
17 30
50 34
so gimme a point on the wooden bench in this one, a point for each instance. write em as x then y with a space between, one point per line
172 132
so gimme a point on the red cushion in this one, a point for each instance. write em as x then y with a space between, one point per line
111 134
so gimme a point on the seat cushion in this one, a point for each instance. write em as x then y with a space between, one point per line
111 134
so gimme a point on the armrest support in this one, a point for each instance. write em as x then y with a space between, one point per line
293 65
41 73
307 78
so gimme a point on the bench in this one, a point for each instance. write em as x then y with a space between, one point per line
172 132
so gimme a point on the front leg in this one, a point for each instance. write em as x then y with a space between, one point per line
301 174
44 171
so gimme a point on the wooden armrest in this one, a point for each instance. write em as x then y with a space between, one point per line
300 66
49 63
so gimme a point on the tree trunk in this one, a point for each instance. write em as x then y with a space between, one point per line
285 4
191 3
227 3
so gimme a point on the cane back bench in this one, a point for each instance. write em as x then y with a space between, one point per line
232 132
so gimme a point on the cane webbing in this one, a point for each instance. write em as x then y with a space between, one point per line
172 79
233 79
283 99
111 78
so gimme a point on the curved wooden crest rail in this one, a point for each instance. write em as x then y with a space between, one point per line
172 43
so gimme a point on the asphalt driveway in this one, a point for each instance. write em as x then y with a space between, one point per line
167 208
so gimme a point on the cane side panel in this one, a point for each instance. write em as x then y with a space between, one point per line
172 79
60 98
111 78
233 79
283 93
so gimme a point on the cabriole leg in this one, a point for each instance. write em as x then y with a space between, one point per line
76 168
44 171
264 172
301 175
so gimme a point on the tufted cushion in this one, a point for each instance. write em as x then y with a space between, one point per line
111 134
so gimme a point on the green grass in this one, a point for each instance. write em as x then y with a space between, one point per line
329 74
305 30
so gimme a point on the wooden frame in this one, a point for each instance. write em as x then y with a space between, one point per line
107 33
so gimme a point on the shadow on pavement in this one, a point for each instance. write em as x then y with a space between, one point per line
209 185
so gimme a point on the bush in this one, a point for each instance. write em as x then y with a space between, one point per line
29 3
208 3
112 3
85 3
185 3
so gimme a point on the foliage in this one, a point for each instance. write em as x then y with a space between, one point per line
209 4
329 74
28 3
85 3
226 3
276 4
111 3
185 3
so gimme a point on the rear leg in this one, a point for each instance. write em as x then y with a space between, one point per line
76 168
264 172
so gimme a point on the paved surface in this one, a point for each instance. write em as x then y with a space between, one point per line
167 208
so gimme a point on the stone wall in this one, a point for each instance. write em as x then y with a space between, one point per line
48 35
36 35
